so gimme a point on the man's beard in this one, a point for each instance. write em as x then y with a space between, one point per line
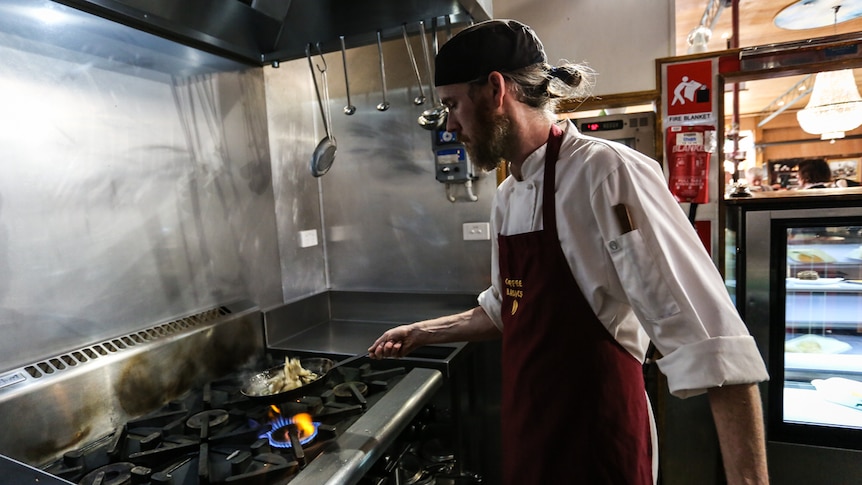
488 146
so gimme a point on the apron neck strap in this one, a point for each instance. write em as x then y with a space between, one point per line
552 152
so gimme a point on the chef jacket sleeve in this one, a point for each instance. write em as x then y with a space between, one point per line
490 299
672 284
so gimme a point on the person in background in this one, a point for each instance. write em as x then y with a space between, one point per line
754 179
593 259
813 174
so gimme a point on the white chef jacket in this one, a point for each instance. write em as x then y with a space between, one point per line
655 282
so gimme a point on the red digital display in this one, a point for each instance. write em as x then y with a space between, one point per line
602 125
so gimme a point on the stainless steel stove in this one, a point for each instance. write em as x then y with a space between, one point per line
164 406
215 435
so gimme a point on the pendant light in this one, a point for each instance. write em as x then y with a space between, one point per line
834 107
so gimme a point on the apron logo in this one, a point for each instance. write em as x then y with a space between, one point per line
514 291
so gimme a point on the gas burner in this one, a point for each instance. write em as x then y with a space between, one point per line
290 432
113 474
212 417
350 389
353 391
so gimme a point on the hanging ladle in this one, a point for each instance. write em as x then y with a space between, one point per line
421 98
433 118
349 109
324 153
383 105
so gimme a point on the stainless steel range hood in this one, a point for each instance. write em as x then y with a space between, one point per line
259 32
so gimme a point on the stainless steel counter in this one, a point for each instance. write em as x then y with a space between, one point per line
341 324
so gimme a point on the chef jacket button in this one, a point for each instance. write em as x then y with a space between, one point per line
530 187
614 246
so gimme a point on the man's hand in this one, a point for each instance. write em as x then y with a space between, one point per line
462 327
396 342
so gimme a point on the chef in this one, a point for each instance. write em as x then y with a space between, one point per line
593 260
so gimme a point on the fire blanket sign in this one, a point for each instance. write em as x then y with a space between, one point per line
688 93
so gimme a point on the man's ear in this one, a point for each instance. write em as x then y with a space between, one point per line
498 88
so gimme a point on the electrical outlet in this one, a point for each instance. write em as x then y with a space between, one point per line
477 231
308 238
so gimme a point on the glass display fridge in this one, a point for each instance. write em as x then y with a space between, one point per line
797 279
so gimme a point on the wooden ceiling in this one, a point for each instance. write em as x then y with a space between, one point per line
756 28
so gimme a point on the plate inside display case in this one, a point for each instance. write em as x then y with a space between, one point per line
815 344
818 281
847 392
815 256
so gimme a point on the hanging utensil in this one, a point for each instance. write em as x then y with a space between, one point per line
324 153
349 109
383 105
421 98
434 36
433 118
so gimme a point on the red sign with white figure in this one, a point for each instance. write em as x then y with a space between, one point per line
689 92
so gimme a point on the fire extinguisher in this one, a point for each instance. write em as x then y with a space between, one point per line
688 152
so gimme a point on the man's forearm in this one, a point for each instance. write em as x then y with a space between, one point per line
738 417
471 325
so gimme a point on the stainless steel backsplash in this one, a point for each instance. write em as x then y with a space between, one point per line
130 193
143 181
385 224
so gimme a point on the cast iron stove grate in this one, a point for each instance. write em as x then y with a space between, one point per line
215 435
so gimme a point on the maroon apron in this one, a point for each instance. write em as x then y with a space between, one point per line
573 406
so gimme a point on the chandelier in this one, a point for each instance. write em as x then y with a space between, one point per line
834 107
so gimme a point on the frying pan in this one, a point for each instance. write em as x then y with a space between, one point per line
254 387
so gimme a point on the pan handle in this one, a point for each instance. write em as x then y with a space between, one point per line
349 360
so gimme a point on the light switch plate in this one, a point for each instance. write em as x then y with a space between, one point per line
308 238
477 231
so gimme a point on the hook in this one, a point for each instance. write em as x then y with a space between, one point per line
320 53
